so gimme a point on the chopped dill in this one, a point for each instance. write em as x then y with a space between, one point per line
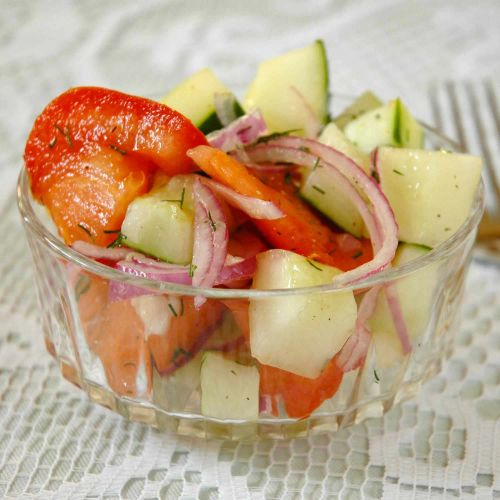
318 189
213 225
117 149
276 135
172 308
118 242
311 263
86 229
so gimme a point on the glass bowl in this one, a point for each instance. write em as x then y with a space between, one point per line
152 377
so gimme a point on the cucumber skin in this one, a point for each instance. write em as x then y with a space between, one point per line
212 122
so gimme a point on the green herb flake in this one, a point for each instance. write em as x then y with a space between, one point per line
316 164
118 242
311 263
375 374
86 229
111 231
288 178
318 189
213 225
233 372
82 286
53 142
376 176
114 147
377 116
172 309
192 269
447 228
357 254
304 149
397 172
180 200
65 132
276 135
182 354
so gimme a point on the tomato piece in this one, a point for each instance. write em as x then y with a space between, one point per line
186 334
92 150
115 333
301 395
300 230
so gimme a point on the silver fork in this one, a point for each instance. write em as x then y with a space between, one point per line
476 134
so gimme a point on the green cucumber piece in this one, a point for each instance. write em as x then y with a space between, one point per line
288 88
415 293
299 333
364 103
161 222
194 98
430 192
228 389
321 191
388 125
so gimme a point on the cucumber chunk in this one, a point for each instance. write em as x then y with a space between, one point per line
161 222
364 103
228 389
291 87
194 98
415 293
299 333
329 199
430 192
388 125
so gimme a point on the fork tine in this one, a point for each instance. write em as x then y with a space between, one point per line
457 115
436 110
481 134
493 104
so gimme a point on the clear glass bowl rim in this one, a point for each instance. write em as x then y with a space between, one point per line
35 226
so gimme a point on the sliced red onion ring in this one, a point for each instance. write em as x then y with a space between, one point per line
253 207
244 130
354 350
210 238
119 290
97 252
350 177
400 325
179 274
242 270
224 103
266 404
313 125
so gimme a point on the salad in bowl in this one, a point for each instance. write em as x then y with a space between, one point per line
247 268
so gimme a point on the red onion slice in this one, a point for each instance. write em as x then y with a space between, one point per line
97 252
179 274
354 350
244 130
253 207
313 125
242 270
224 103
400 325
210 238
350 177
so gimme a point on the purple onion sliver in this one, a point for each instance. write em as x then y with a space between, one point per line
97 252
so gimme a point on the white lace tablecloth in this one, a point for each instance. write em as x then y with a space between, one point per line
55 444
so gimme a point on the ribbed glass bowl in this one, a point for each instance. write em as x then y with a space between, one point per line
103 347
